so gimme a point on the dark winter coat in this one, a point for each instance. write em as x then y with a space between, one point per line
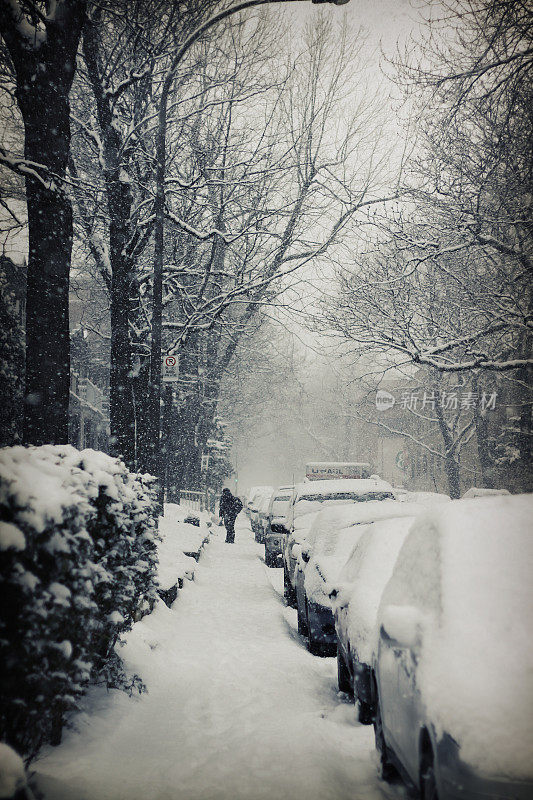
230 506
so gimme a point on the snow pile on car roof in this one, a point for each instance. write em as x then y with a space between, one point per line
337 497
341 516
476 664
355 485
330 553
335 533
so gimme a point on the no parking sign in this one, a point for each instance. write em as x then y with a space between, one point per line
170 368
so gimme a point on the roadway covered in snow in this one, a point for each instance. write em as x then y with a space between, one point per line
236 707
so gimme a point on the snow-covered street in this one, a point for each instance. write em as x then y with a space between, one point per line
236 707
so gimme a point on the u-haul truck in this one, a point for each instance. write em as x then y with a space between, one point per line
325 470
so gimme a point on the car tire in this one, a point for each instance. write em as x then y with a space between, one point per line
313 645
344 678
365 714
428 781
302 623
387 770
288 591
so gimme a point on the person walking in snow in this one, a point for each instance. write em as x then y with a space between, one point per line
228 509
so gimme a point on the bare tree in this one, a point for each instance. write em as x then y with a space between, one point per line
271 198
42 41
257 186
445 281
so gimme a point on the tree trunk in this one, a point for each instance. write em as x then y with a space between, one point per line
525 421
483 450
119 203
141 391
121 411
452 473
44 64
482 439
450 463
121 401
47 127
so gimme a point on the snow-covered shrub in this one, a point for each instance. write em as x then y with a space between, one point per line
77 557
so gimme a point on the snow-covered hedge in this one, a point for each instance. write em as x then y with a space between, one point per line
77 559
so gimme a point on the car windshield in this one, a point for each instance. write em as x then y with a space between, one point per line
280 504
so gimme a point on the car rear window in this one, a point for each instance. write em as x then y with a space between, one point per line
358 498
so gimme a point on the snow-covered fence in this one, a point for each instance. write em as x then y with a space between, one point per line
193 499
77 559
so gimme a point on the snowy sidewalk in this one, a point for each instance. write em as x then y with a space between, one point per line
236 708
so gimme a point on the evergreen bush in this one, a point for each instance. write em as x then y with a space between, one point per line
78 558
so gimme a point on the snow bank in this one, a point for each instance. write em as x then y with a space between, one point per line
174 566
176 513
77 558
183 536
12 773
468 567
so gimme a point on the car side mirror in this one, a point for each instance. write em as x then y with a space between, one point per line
296 550
341 593
402 626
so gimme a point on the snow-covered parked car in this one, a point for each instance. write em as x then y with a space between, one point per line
307 500
357 594
262 518
253 495
277 525
321 559
454 672
255 503
479 491
427 498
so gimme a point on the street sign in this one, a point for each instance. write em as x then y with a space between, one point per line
402 460
171 368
